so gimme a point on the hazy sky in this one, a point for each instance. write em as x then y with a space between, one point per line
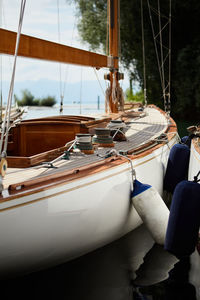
41 20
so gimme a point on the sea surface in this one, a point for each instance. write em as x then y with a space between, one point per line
74 109
131 268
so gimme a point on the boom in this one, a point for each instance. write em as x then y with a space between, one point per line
41 49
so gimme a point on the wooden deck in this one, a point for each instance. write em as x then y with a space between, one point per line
142 132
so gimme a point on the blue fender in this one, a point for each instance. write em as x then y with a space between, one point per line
177 166
184 219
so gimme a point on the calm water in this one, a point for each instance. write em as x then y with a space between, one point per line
75 109
130 268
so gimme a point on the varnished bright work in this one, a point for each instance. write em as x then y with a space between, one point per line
41 49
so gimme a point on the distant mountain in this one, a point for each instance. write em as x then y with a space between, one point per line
88 92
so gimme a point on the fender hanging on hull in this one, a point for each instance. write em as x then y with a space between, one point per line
177 166
152 210
184 219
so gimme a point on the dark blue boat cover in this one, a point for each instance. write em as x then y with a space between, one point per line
184 219
177 166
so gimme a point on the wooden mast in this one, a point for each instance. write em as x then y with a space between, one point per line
113 9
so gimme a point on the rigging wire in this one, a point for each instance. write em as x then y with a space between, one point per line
68 66
60 69
4 23
62 86
6 122
81 91
143 55
107 30
161 54
154 38
170 47
96 74
161 60
1 63
119 37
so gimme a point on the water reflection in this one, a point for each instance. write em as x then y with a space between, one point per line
175 287
156 266
130 268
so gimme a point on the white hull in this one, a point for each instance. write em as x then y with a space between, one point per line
68 220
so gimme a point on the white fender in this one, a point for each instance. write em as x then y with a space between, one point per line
152 210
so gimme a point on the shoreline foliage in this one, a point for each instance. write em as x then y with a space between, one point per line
28 99
185 53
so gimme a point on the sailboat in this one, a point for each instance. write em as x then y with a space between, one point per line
66 190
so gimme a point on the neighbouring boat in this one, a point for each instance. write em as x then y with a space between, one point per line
67 189
194 163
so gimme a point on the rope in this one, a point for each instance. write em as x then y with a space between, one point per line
114 89
117 94
107 96
6 122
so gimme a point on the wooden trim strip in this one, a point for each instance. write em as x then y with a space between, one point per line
56 176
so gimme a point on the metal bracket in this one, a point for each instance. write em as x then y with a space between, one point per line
110 62
48 165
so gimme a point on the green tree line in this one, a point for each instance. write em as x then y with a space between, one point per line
185 40
28 99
